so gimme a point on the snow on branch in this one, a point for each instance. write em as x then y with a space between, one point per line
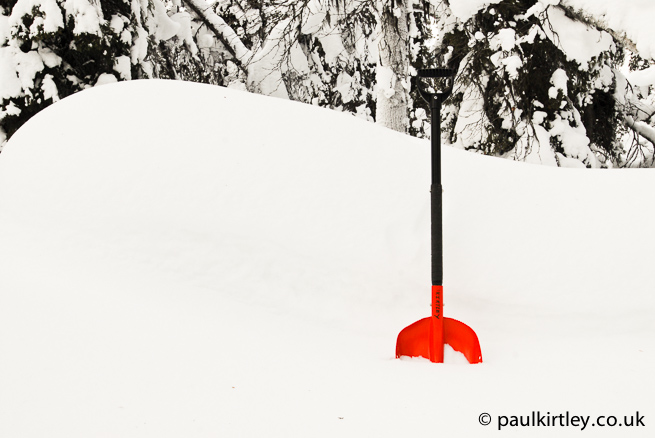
601 24
641 128
223 32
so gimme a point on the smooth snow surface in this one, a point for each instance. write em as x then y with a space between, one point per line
186 260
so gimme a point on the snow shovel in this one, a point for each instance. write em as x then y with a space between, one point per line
426 337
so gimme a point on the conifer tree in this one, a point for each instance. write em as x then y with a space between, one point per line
50 49
538 82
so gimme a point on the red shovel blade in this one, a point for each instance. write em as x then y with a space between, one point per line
426 337
422 339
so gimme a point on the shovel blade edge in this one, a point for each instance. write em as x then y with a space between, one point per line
414 340
462 338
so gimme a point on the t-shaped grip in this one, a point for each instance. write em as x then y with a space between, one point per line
436 73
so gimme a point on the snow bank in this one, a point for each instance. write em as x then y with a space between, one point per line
243 269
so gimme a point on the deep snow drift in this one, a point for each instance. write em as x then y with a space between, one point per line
186 260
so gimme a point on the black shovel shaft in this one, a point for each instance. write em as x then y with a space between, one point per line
435 139
435 189
437 237
436 193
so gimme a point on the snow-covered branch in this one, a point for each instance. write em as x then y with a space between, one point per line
223 32
641 128
599 22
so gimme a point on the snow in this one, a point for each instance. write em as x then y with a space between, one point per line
123 67
468 125
50 21
244 268
560 82
465 9
264 68
166 27
630 17
50 88
298 60
642 78
184 32
578 41
5 31
117 23
538 152
27 66
106 78
10 85
49 58
574 139
506 39
512 65
315 17
87 16
242 53
344 87
332 45
386 80
139 50
538 117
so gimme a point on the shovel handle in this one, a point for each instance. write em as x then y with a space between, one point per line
435 101
433 73
437 235
436 72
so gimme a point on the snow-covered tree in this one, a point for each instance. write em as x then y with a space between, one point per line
50 49
354 56
539 82
635 96
319 52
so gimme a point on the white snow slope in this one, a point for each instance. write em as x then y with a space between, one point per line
182 260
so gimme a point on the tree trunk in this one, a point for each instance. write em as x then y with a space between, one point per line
393 66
